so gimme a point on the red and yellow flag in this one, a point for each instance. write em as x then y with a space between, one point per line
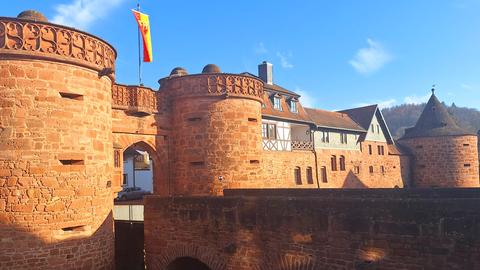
144 26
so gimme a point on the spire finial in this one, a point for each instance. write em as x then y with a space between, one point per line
433 89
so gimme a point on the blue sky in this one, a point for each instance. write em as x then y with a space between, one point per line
337 54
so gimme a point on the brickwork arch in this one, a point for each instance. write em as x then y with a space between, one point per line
154 146
288 262
209 257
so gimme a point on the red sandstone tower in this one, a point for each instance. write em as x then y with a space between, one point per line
444 155
216 130
55 146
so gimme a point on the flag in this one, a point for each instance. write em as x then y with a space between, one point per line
144 26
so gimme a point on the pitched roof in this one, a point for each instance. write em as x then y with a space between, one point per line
285 113
435 121
362 115
335 120
272 87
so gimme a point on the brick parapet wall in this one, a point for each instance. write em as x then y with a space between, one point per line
449 161
297 232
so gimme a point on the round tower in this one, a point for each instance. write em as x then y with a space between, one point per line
56 154
216 130
444 155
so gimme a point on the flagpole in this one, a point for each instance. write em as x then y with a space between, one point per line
139 52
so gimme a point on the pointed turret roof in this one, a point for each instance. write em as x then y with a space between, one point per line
435 121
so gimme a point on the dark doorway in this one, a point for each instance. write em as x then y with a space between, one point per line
129 253
187 263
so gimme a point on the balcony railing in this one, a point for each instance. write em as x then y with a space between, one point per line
302 145
287 145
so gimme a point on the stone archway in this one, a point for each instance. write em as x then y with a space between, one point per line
187 263
156 148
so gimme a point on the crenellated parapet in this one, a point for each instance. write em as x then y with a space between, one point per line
134 99
21 38
218 84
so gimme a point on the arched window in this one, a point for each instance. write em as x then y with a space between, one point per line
298 176
333 161
370 169
342 163
309 175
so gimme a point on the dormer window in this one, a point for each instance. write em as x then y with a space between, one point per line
277 105
293 105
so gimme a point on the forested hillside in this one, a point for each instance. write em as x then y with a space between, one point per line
403 116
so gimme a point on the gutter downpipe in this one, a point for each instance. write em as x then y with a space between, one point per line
312 134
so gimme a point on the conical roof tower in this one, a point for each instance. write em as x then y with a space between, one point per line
435 121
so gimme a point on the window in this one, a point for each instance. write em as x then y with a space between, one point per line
298 176
277 105
323 173
325 137
124 179
381 150
293 106
343 138
378 129
342 163
369 149
356 169
269 131
373 128
382 169
370 169
309 175
333 160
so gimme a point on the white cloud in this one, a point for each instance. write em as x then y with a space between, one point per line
284 60
466 86
260 48
82 13
381 103
414 99
306 98
370 59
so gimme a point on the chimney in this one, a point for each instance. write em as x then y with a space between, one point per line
265 72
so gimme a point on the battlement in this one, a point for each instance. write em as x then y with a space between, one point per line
217 84
28 39
134 99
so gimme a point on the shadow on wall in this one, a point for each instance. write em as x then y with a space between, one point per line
352 181
78 249
187 263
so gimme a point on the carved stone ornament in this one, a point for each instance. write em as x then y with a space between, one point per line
54 42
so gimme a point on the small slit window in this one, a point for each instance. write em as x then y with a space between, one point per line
194 119
71 96
72 229
370 169
466 165
197 163
254 161
68 162
251 119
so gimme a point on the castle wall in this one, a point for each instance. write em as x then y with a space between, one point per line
55 148
317 229
448 161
